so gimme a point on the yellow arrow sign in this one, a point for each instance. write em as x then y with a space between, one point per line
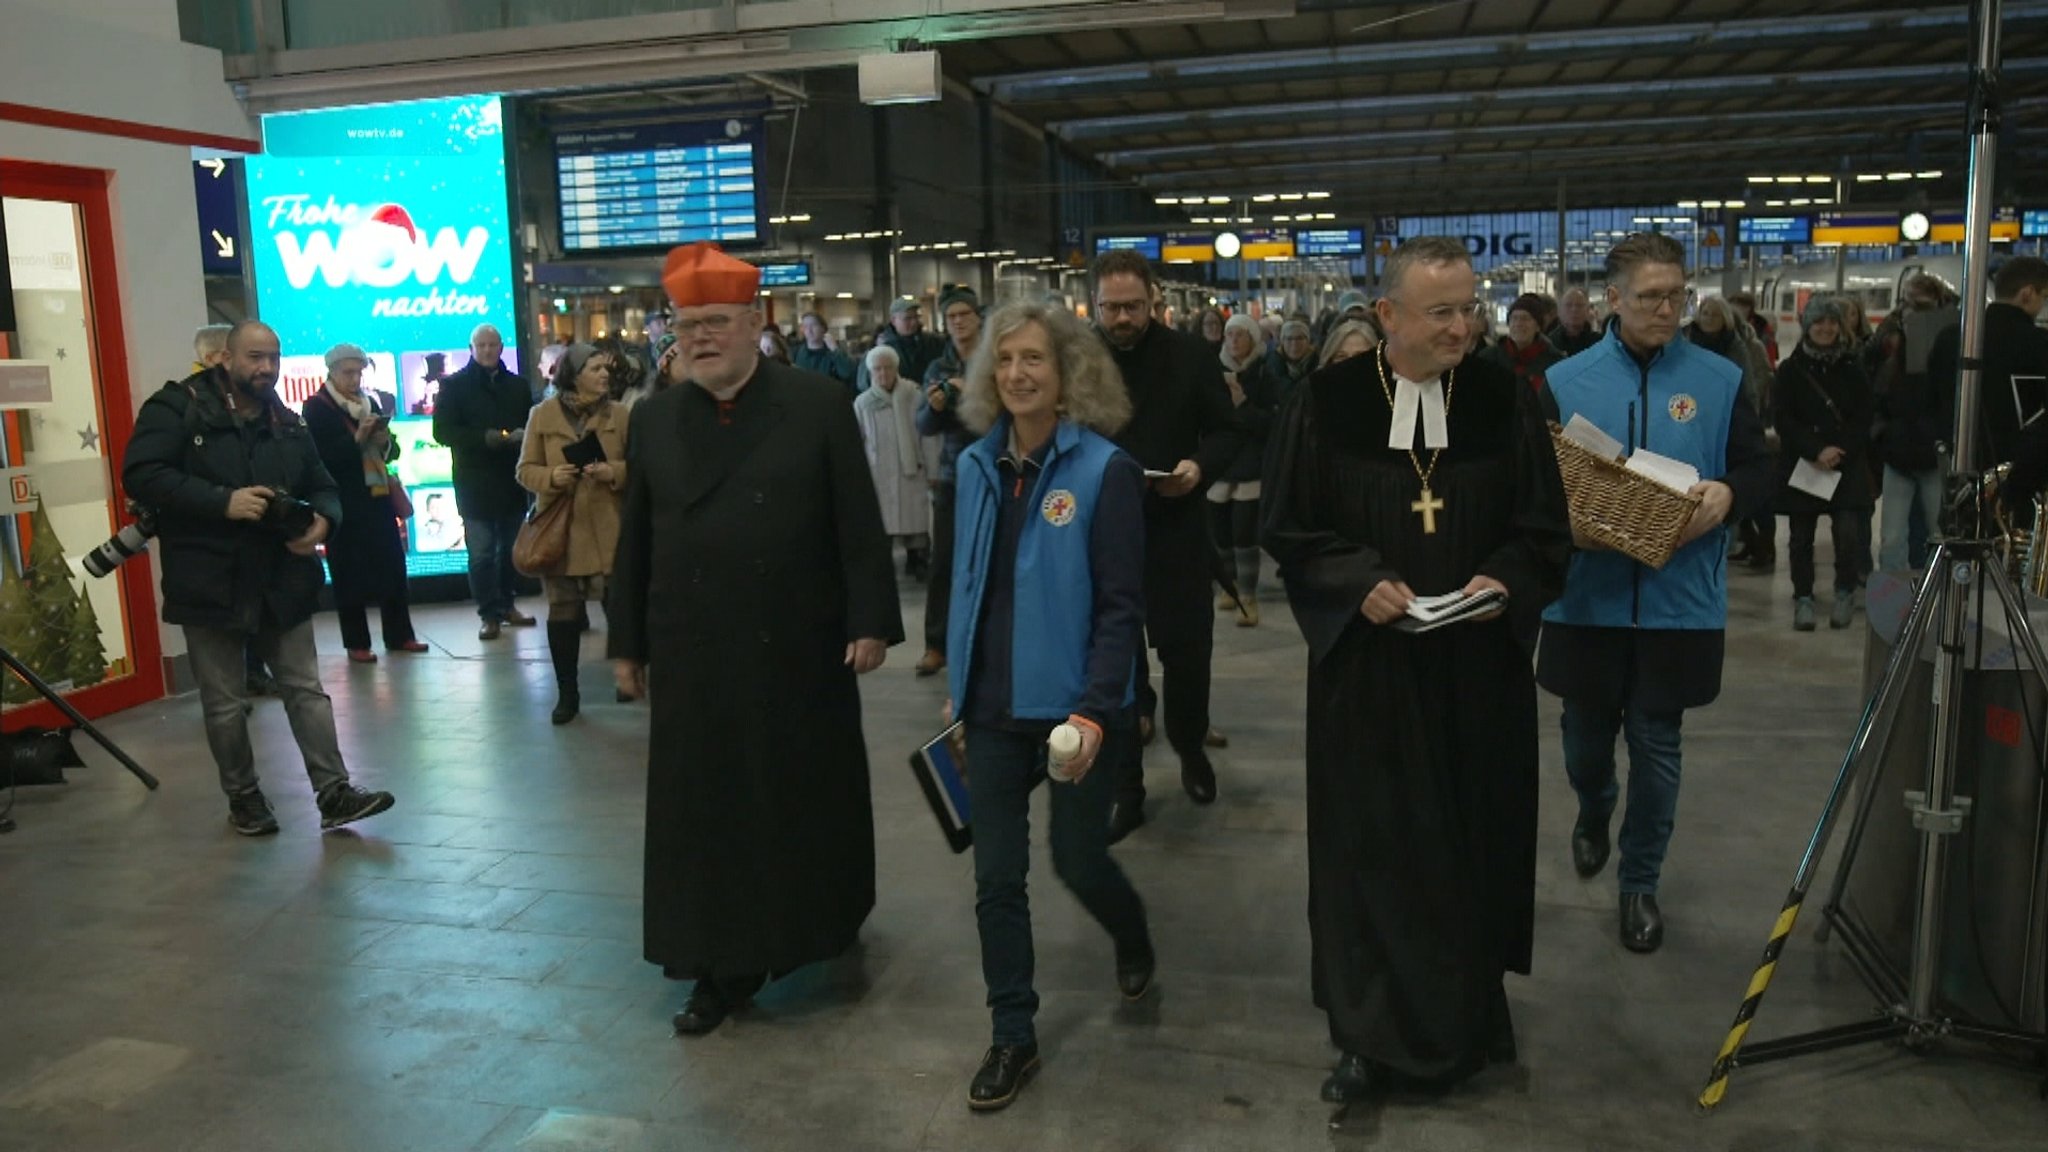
216 166
226 244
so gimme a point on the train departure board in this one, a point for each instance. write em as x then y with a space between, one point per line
659 185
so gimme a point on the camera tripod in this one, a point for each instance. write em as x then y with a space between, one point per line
1908 1009
28 677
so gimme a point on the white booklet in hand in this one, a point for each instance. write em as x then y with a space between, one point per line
1811 478
1430 612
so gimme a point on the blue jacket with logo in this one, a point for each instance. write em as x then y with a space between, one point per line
1682 403
1075 591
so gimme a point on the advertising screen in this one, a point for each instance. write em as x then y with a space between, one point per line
387 227
660 185
1774 230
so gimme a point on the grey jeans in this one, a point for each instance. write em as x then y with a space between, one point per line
218 664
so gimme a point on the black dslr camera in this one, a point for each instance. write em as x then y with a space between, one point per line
124 545
287 515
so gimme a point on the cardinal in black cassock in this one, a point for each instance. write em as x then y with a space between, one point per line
753 583
1422 748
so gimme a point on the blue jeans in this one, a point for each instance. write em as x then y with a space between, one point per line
1901 548
491 575
1004 768
1653 770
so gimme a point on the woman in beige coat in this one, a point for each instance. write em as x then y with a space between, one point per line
576 448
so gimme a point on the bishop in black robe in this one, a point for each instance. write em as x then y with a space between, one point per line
750 555
1422 749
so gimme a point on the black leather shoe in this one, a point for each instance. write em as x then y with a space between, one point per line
1590 845
1198 777
1134 971
705 1010
1355 1078
1500 1042
1126 816
1642 925
1003 1073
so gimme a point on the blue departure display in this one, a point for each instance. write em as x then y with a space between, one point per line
660 185
786 274
1329 242
1774 230
1148 246
2034 223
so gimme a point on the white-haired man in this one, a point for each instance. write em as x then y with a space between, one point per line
481 416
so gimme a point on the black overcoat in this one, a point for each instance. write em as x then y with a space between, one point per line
751 553
364 552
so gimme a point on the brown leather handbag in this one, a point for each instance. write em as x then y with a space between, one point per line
542 546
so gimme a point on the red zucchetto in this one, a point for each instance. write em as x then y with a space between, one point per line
698 274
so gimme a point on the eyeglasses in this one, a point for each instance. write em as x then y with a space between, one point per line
716 324
1654 302
1444 315
1122 307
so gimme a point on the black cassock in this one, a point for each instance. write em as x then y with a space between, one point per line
1421 748
750 554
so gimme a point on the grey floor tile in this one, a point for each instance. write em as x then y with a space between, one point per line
465 973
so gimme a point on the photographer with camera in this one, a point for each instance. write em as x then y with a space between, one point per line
242 502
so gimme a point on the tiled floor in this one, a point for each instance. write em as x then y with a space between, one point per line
464 972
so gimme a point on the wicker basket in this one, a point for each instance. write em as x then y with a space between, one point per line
1632 514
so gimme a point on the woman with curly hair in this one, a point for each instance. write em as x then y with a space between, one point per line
1044 492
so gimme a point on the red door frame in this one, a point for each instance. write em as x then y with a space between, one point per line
89 189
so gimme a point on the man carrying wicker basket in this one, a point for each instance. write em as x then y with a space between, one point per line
1630 646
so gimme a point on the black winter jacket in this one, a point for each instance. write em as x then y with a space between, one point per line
188 456
473 402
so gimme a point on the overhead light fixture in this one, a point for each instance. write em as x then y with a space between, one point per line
799 218
1282 219
1820 179
1868 177
1166 200
1763 179
1688 203
1791 179
1710 204
1934 175
1319 195
1291 196
1643 220
616 289
1219 199
1735 204
899 78
1774 203
1326 215
1265 198
1799 202
1898 175
845 296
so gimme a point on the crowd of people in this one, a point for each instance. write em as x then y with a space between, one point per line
1074 492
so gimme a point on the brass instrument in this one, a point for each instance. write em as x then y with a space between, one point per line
2023 547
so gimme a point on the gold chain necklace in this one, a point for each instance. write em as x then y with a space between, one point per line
1429 505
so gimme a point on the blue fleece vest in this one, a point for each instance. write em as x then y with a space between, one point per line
1053 591
1681 407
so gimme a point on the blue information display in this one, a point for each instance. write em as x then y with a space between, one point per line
1774 230
1329 242
659 185
386 227
786 274
2034 223
220 228
1149 246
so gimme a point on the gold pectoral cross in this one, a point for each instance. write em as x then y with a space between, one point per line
1428 506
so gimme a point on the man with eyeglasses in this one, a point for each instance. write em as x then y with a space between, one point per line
753 584
1417 470
1183 429
1630 647
480 415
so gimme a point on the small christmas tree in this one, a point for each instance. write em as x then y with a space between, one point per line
53 602
88 655
17 617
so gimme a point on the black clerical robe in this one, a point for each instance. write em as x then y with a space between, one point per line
751 552
1422 750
